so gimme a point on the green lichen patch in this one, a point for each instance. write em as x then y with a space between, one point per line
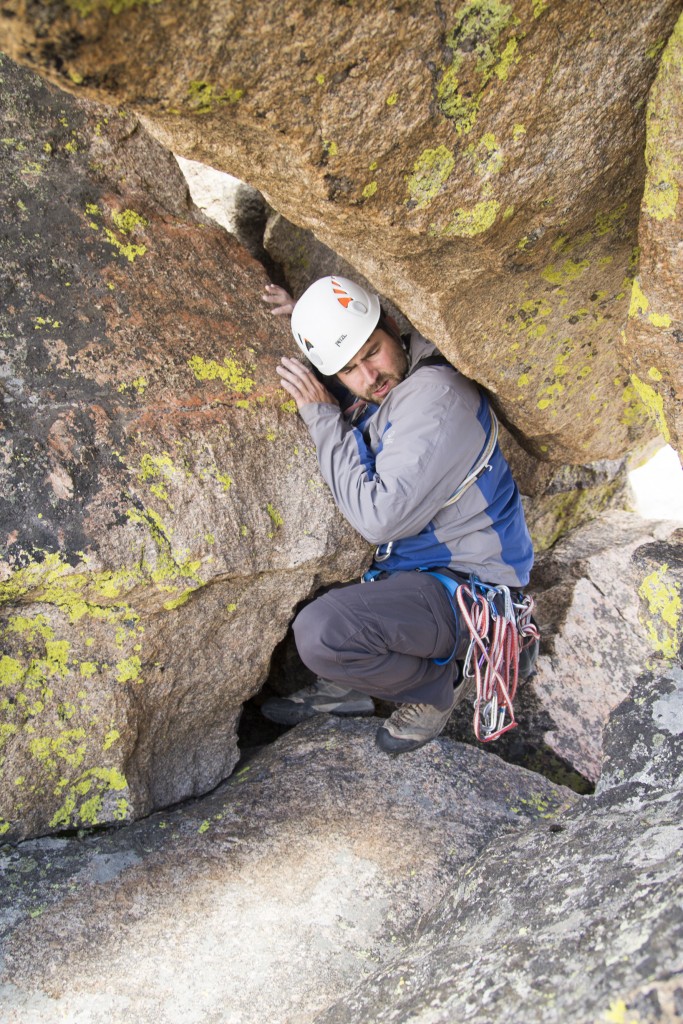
430 172
229 372
204 97
563 274
662 598
275 516
475 41
77 594
86 799
86 7
559 514
662 148
139 386
172 565
639 302
468 223
126 222
653 403
486 155
635 414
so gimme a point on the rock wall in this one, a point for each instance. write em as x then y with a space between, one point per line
654 334
480 162
160 508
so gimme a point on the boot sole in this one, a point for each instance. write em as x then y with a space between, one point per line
391 745
292 714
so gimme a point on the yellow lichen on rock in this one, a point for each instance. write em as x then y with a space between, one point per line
663 599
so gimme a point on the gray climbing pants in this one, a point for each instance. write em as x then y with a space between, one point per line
380 638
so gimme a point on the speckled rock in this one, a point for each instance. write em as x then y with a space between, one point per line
236 206
654 335
480 162
160 508
266 900
580 922
596 640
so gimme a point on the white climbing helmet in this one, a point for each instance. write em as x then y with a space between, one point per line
332 321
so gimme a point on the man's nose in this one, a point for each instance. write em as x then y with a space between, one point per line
369 373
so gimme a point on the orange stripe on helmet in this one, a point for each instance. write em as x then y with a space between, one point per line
343 297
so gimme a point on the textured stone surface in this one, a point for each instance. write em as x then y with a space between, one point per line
160 508
595 637
480 162
654 335
442 885
236 206
579 922
266 900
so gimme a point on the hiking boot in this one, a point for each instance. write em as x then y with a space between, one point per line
413 725
322 697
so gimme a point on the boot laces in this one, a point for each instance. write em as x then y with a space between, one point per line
408 713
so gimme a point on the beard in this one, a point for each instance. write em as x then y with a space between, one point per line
396 372
370 395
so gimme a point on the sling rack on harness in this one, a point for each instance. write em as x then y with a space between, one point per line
500 626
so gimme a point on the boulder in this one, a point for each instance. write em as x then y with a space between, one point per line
578 921
481 163
160 507
266 900
654 333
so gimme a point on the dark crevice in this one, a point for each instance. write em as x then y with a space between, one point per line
520 746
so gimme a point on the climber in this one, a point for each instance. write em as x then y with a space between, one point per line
395 443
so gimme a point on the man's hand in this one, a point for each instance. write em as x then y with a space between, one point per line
278 297
302 385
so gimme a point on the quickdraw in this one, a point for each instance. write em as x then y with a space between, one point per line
500 628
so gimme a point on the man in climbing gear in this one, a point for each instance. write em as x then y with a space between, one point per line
413 462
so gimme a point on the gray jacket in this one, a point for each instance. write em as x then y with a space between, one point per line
392 471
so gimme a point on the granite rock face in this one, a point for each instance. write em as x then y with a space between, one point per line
600 610
578 922
481 163
654 334
160 508
266 900
328 882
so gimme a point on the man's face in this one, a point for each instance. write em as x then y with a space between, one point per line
378 367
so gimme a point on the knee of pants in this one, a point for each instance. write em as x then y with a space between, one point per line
309 628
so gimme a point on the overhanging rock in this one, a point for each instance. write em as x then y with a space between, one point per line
480 162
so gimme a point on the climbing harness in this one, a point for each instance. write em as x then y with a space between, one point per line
500 628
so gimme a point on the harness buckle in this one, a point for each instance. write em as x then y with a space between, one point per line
383 558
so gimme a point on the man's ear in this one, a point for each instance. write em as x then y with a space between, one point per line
392 327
